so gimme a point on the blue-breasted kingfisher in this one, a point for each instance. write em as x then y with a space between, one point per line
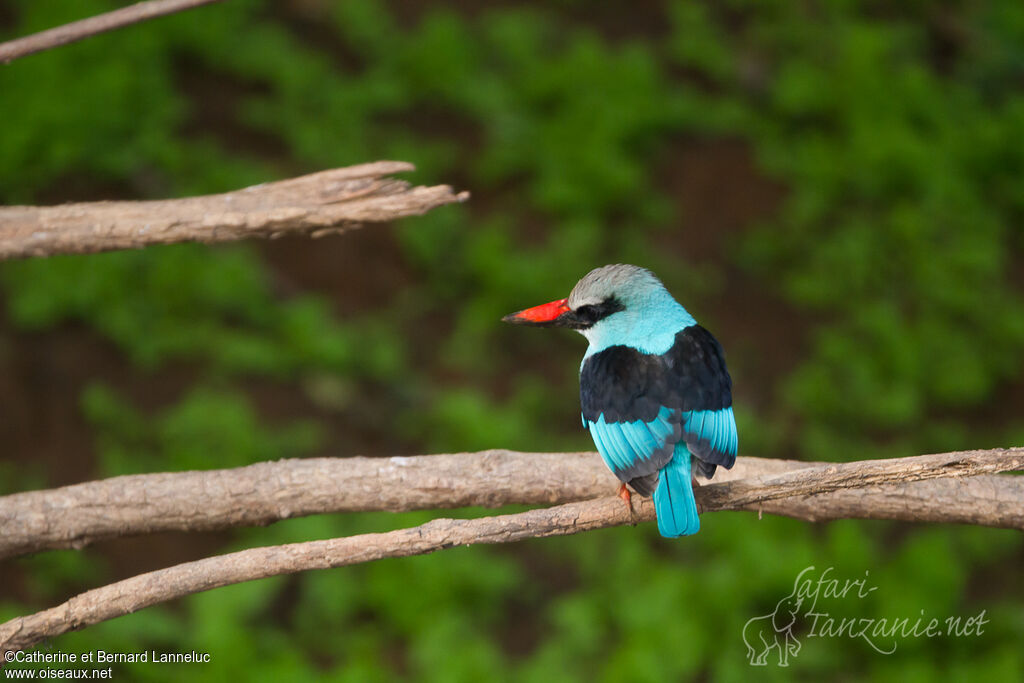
655 392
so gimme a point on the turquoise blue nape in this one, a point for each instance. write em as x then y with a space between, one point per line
673 499
718 427
649 325
622 444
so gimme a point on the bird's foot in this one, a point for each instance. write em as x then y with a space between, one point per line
627 498
694 483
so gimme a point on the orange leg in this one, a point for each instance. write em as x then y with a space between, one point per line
625 496
628 500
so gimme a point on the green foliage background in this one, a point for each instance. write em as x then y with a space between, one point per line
867 288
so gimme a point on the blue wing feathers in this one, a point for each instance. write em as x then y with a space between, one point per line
694 423
623 453
664 427
607 454
623 445
641 442
711 435
612 445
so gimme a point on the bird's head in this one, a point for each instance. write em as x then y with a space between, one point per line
612 304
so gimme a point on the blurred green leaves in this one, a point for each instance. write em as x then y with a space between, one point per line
893 228
208 429
180 302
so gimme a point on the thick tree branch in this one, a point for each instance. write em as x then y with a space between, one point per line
101 23
75 516
159 586
317 204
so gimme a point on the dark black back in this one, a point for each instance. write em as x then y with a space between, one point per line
628 385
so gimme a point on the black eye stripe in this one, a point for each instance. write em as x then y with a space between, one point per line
591 313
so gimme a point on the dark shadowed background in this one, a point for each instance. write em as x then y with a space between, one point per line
833 188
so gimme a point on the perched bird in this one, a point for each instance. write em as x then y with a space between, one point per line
654 388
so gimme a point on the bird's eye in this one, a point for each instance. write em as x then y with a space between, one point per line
588 314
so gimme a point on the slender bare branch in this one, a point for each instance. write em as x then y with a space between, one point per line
316 204
75 516
101 23
159 586
162 585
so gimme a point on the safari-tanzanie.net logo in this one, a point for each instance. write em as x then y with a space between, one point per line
777 636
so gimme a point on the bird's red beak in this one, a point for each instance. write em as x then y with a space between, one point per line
545 314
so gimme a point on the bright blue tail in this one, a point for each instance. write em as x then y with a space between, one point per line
673 499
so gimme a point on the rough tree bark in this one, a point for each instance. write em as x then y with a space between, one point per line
317 204
152 588
75 516
101 23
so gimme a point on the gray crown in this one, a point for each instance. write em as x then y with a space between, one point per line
618 279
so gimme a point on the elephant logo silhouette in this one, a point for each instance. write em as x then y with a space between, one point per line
773 631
